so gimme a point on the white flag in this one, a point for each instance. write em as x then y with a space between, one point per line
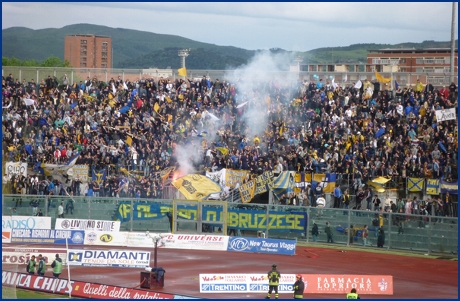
125 86
334 85
113 89
345 78
29 102
242 105
358 85
213 117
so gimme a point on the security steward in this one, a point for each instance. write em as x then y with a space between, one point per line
298 287
41 265
274 280
31 265
353 294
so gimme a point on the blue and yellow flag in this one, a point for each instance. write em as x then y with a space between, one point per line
450 187
196 187
415 184
284 184
301 180
432 187
100 175
327 181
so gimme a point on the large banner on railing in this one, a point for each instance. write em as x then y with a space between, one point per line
262 245
80 172
237 218
279 221
15 169
314 284
87 224
450 187
46 236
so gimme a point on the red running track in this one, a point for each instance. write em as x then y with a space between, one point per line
413 277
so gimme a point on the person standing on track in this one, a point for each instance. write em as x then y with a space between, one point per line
41 265
298 287
31 265
57 266
274 281
353 294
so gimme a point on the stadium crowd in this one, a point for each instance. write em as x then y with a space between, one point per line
136 126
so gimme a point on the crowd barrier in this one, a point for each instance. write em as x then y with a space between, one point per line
430 234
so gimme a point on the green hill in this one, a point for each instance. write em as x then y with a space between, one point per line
141 49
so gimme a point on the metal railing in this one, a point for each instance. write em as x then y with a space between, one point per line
105 74
427 234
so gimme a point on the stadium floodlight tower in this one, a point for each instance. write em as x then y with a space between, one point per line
184 53
298 59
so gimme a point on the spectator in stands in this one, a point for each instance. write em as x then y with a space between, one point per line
356 137
380 237
60 211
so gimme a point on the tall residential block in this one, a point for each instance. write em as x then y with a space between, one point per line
88 51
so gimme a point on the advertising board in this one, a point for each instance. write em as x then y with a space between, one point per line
87 224
314 283
47 236
261 245
111 258
77 288
12 255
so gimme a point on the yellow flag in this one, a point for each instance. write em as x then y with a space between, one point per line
165 172
223 150
247 191
169 118
196 187
182 72
129 140
168 99
156 107
381 78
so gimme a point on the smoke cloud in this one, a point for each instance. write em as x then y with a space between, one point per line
254 82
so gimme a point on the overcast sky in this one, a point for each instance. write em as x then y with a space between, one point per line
291 26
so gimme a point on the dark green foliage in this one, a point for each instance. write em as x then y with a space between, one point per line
141 49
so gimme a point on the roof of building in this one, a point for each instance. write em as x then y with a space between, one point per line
405 50
87 35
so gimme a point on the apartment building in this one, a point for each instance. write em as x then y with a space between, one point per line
88 51
430 60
